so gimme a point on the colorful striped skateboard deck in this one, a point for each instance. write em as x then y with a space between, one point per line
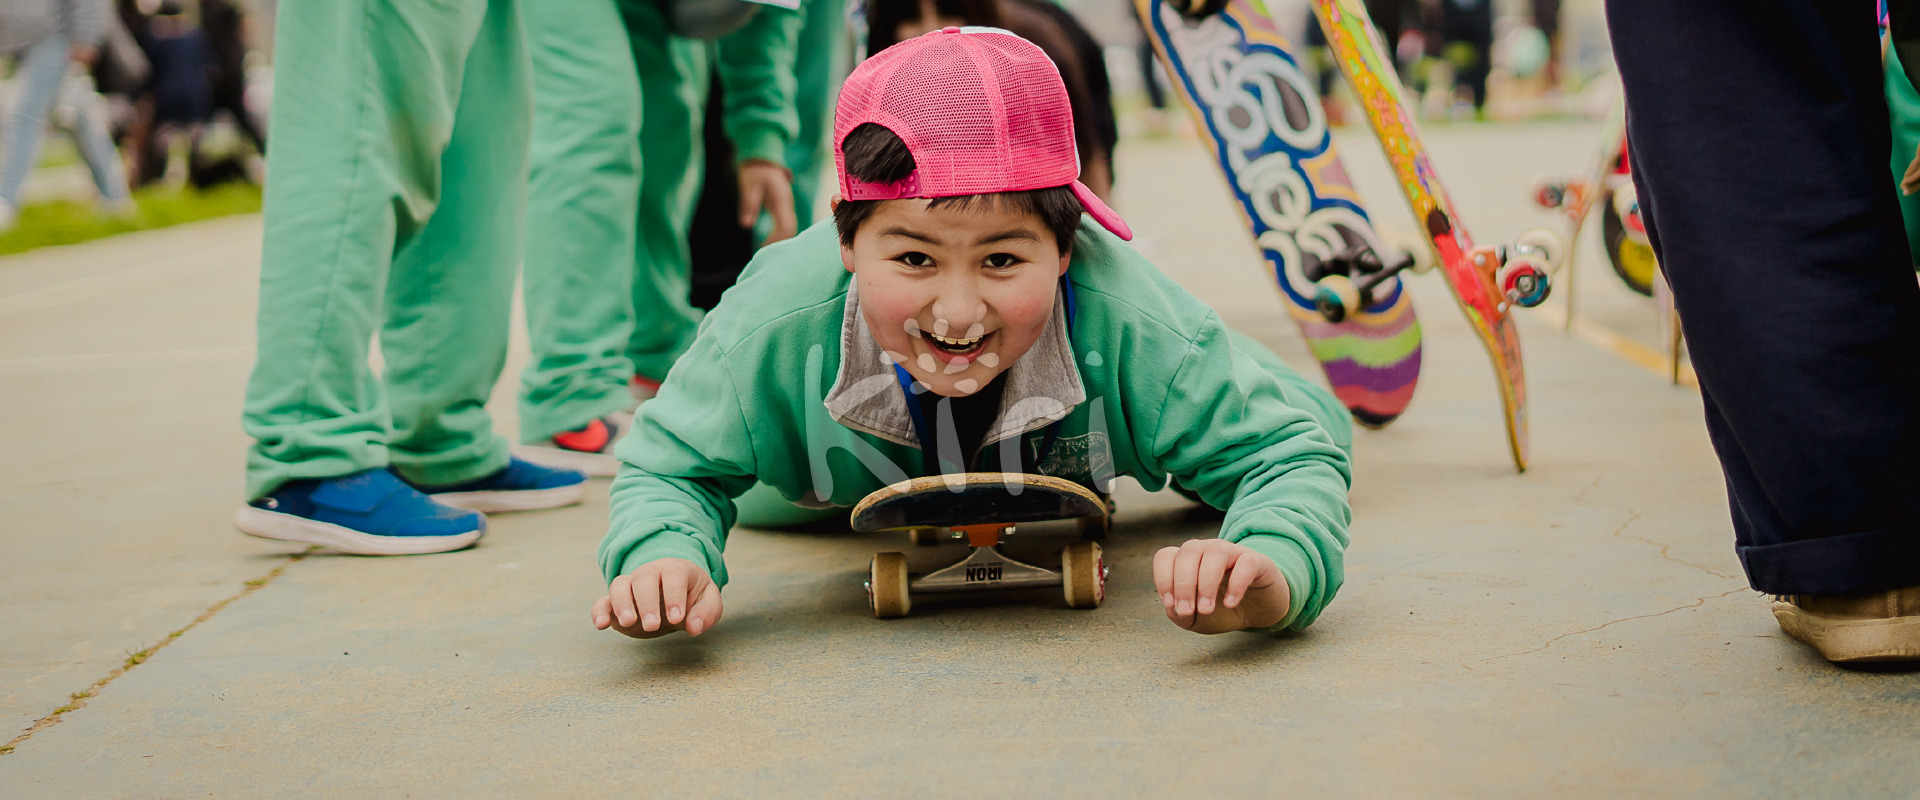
1261 117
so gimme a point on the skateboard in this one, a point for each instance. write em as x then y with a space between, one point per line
1263 122
983 508
1487 281
1607 186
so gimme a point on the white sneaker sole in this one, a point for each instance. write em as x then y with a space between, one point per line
289 528
1852 641
522 500
595 465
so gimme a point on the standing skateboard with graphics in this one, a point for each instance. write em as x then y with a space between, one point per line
983 508
1487 281
1261 117
1607 186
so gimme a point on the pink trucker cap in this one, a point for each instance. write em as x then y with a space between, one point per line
982 111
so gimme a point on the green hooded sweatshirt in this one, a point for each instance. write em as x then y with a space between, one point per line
784 385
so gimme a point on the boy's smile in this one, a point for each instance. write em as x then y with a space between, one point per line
955 294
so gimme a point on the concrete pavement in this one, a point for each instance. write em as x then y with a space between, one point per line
1582 629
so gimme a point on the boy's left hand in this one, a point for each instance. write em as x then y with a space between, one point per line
1216 586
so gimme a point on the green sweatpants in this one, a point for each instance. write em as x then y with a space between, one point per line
399 168
583 203
673 86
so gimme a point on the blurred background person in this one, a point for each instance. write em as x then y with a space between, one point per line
49 40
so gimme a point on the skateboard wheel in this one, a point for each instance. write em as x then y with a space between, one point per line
1337 298
887 586
1083 575
1542 244
926 537
1525 281
1551 194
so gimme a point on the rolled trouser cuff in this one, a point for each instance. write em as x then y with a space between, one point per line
1874 561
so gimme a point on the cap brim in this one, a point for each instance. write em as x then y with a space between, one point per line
1101 213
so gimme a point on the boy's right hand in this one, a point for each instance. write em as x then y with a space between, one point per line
660 597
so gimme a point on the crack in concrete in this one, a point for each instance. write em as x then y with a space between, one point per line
1665 548
1698 602
78 700
1633 516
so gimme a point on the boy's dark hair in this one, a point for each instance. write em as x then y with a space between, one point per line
876 155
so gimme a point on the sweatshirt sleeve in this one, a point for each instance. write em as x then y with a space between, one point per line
688 455
1226 434
84 22
756 66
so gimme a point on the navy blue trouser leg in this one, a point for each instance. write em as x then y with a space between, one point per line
1760 141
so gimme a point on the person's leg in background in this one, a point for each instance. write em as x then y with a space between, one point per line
1760 141
450 291
583 204
1546 17
42 68
1467 28
673 79
361 167
96 144
820 63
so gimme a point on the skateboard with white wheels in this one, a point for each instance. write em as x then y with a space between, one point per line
983 508
1259 115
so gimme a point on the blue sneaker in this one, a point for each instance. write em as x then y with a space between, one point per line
371 513
520 486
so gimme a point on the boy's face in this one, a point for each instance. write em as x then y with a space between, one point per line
955 296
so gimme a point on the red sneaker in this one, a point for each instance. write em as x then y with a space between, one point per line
643 388
588 448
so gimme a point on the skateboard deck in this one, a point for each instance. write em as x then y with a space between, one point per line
975 498
983 507
1261 118
1475 274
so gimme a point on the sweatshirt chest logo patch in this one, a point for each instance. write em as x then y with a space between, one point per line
1081 458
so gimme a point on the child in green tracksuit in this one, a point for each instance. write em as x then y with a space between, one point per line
616 164
958 278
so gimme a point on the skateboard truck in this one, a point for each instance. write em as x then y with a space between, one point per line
1198 9
1345 283
983 508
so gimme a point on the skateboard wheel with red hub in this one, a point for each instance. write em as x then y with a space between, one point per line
1337 298
1524 279
1083 575
1551 194
887 586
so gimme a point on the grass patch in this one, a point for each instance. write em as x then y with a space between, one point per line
67 222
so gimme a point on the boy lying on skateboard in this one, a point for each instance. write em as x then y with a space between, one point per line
964 319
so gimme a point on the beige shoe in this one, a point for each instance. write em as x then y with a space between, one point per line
1855 628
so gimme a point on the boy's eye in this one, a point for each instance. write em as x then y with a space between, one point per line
1004 261
915 259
